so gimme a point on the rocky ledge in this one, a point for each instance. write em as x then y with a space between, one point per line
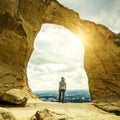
21 20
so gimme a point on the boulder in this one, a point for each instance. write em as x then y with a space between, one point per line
46 114
15 96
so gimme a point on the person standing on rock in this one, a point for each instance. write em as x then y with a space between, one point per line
62 89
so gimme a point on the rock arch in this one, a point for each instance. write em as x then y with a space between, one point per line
20 20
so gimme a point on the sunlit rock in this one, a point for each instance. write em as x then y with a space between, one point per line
46 114
15 96
5 115
20 22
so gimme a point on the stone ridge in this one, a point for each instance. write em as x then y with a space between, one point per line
21 20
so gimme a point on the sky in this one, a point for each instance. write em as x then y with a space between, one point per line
58 52
106 12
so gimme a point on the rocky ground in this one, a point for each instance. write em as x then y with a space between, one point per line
39 110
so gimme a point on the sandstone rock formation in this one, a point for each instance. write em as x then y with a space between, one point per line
20 21
46 114
5 115
109 105
15 96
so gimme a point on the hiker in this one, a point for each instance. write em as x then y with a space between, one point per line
62 89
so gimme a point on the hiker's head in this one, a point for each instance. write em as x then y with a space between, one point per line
62 78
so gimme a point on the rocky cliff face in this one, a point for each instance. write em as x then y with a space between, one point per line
21 20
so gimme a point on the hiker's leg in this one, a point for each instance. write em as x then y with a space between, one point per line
59 95
63 95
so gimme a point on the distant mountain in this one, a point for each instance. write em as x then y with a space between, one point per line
73 96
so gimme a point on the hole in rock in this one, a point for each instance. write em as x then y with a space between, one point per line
58 52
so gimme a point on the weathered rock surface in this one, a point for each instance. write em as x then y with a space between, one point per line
20 21
46 114
5 115
15 96
109 105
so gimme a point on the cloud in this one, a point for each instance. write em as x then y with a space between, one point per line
85 6
110 18
104 12
58 52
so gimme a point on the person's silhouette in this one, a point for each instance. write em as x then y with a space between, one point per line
62 89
